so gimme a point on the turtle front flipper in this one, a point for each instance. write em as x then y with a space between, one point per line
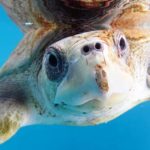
10 119
12 109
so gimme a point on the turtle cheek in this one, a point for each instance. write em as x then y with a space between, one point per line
118 79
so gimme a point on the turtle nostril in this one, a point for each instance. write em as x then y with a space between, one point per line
86 50
98 46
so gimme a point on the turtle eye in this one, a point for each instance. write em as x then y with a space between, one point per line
56 64
121 44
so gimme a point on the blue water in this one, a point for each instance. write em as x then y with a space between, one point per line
131 131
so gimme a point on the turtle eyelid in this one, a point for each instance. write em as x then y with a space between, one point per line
55 47
121 43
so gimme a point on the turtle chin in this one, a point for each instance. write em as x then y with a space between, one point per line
95 111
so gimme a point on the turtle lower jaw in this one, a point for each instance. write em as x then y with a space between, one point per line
93 112
78 117
92 105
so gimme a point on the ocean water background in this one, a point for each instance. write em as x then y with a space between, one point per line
131 131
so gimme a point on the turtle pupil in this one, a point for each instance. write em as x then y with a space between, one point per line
53 60
122 44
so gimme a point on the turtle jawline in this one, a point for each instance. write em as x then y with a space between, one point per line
88 107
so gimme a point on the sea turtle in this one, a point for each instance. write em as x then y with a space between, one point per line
84 79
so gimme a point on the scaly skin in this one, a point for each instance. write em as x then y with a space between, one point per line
112 82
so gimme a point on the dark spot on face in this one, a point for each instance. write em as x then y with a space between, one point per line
56 105
84 113
148 70
148 76
40 113
101 80
103 73
99 67
63 103
54 115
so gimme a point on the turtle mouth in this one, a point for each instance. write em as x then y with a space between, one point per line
92 106
94 111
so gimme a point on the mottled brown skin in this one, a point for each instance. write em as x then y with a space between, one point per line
133 17
101 79
134 21
11 119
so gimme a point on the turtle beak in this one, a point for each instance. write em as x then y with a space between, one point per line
84 81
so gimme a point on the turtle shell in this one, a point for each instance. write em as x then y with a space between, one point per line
88 4
32 14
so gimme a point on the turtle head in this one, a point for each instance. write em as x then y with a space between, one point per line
87 78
